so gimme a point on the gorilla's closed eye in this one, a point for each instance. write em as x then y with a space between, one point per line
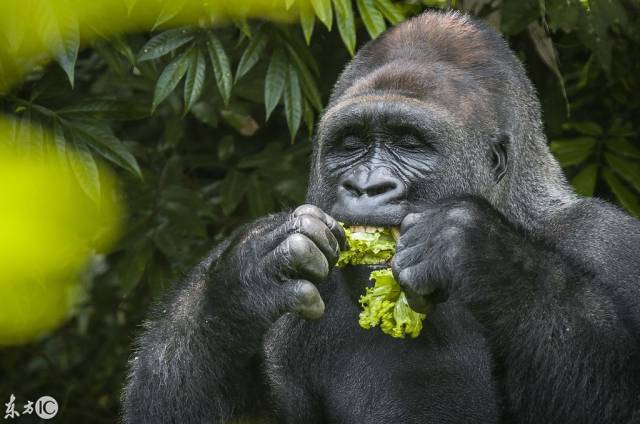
410 141
352 142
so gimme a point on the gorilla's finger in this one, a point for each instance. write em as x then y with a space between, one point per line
418 302
304 299
300 256
334 227
319 233
409 221
415 279
407 256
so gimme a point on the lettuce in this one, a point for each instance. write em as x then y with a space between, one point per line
367 248
384 304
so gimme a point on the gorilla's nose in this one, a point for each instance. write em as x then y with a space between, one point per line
365 192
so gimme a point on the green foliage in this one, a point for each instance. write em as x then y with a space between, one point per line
385 305
199 123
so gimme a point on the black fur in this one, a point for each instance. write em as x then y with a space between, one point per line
533 293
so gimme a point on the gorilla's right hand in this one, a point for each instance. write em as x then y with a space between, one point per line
277 260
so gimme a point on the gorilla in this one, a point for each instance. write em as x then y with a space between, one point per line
532 293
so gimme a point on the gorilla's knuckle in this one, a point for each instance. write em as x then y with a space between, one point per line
307 293
299 246
308 209
308 224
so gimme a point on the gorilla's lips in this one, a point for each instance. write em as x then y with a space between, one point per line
384 304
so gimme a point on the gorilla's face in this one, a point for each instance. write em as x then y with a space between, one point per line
380 156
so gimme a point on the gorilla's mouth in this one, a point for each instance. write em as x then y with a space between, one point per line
369 245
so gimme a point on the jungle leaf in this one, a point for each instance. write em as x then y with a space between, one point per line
274 81
252 54
169 79
292 101
164 43
195 78
323 12
346 24
372 18
221 67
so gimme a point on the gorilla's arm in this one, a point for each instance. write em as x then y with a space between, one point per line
194 363
199 359
561 311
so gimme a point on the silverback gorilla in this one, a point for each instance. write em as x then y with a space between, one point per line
533 293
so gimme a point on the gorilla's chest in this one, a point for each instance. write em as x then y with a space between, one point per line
333 371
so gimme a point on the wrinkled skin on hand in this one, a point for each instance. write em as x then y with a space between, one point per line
447 247
284 258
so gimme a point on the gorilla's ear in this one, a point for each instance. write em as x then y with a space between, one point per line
499 149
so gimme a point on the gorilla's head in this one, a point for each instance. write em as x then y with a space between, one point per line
436 107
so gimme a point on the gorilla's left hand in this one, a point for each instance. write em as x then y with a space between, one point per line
447 248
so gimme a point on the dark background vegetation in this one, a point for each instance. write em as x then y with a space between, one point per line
206 158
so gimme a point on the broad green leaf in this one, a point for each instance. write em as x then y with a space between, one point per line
232 190
582 144
260 198
630 171
169 79
288 4
390 11
570 158
194 81
165 42
323 12
292 101
626 197
586 128
372 18
84 168
103 141
170 10
584 183
221 68
274 81
252 53
309 86
346 24
105 109
68 54
307 21
623 147
302 51
57 27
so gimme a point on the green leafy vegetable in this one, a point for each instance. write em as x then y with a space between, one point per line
384 304
367 248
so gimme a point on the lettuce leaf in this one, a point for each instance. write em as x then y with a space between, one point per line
386 305
367 248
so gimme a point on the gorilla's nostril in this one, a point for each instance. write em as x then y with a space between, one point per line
351 188
381 188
